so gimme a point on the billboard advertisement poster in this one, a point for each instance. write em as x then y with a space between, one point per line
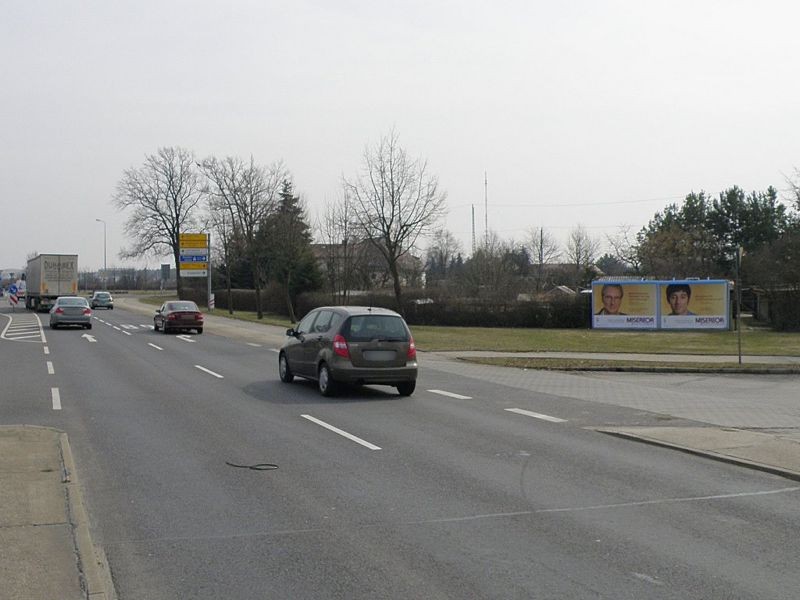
694 304
624 305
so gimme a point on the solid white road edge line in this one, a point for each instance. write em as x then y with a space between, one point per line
50 369
349 436
217 375
451 395
154 346
535 415
56 398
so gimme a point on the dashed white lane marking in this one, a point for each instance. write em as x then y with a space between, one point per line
56 398
254 345
185 338
217 375
536 415
450 395
129 326
349 436
46 350
117 328
127 333
274 349
154 346
145 326
50 369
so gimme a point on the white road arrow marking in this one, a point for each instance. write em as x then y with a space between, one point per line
90 338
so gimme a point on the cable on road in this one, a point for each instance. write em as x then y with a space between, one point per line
255 467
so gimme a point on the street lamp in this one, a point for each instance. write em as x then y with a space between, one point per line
105 264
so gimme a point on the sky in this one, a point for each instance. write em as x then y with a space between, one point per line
592 113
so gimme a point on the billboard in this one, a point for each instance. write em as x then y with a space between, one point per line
624 305
694 304
657 304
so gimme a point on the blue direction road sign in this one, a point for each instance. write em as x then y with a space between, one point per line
198 258
12 289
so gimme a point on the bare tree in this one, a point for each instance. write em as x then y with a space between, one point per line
164 194
441 252
248 193
581 251
626 247
343 247
395 200
543 248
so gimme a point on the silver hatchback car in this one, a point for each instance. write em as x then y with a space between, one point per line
350 344
71 310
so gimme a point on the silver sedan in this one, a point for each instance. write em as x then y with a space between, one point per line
71 310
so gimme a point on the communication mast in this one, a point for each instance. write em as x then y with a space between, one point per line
486 208
473 229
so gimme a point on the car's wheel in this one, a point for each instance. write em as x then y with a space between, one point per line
199 330
111 307
164 328
326 383
406 388
89 326
155 326
283 369
53 326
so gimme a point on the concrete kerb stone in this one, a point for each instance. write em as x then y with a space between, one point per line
92 563
644 435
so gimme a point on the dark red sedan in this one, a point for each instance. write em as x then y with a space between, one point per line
178 315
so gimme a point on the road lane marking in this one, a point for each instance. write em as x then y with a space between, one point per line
254 345
129 326
217 375
185 338
50 369
56 398
536 415
274 349
145 326
349 436
451 395
127 333
46 350
89 338
117 328
154 346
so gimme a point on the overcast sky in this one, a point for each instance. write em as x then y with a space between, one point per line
586 112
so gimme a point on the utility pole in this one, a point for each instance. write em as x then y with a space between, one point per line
486 208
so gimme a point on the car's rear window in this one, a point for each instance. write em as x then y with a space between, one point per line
366 328
182 306
73 302
103 296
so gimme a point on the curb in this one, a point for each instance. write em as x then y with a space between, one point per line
92 564
726 458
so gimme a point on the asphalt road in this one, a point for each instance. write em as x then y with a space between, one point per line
432 496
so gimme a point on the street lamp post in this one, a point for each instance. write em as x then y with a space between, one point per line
105 264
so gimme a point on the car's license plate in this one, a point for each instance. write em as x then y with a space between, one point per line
379 355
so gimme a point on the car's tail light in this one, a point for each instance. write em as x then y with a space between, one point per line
172 316
198 317
412 349
59 311
87 311
340 347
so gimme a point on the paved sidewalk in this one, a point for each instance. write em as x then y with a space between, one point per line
45 546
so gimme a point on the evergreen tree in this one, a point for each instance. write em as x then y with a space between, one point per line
286 242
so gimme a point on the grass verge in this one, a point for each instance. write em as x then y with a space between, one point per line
581 364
